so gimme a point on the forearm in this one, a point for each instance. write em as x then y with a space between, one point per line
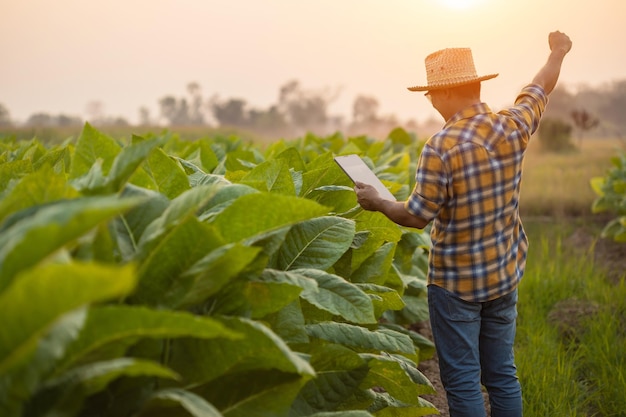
397 213
369 199
548 75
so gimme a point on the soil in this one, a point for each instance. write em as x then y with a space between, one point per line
609 255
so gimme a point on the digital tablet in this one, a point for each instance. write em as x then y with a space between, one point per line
357 170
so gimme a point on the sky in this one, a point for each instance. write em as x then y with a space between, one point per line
58 56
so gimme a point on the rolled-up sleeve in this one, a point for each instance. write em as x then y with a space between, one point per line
529 106
429 193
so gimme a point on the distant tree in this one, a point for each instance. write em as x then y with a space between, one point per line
144 116
5 117
583 122
614 107
113 121
231 112
174 110
555 135
268 121
47 120
179 112
561 104
305 110
195 112
40 120
364 110
65 120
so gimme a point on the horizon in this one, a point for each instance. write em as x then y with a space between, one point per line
64 55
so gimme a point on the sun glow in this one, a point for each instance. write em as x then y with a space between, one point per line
460 4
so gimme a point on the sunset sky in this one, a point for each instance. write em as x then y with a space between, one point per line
57 56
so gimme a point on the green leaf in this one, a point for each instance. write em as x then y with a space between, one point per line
18 385
91 146
41 295
33 238
126 324
182 207
264 298
162 278
320 172
192 403
338 296
393 376
215 270
383 298
362 338
272 176
128 228
97 376
288 323
425 346
58 159
600 205
400 136
259 349
252 214
380 230
266 393
597 184
374 269
340 371
387 406
40 187
168 176
68 391
223 198
328 292
316 243
127 161
13 170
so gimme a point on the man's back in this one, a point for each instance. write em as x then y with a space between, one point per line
471 170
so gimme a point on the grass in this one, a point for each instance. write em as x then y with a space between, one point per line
583 374
558 184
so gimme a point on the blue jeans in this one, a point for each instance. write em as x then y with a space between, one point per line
474 342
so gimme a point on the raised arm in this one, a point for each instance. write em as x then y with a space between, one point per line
548 75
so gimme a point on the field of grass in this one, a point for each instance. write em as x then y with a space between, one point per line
572 316
557 185
572 326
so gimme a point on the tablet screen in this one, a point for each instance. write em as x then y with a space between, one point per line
357 170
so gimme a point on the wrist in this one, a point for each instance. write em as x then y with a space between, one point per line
560 51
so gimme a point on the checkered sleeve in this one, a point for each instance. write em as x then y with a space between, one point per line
528 108
429 193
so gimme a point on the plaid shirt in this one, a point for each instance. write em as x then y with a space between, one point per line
468 180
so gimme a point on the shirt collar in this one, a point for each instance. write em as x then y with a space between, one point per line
468 113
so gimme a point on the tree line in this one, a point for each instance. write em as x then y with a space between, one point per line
298 110
595 111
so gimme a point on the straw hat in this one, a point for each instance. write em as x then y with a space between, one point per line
450 67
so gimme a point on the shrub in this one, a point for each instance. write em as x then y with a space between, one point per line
611 191
555 135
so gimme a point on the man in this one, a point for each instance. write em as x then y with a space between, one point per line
468 184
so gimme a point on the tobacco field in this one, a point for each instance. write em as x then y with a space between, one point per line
213 277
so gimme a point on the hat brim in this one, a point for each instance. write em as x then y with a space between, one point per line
451 84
